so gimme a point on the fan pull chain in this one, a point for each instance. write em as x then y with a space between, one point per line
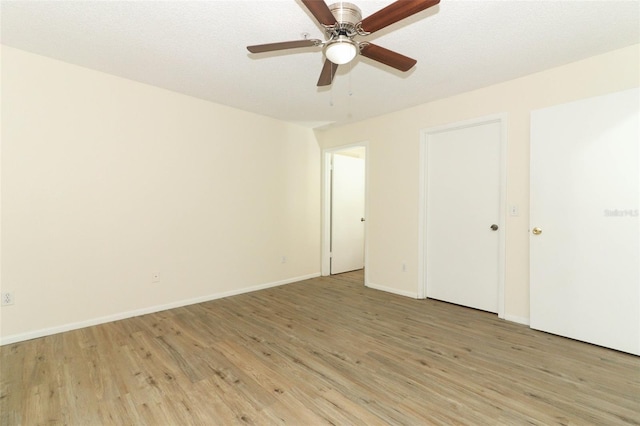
331 96
331 89
350 90
350 80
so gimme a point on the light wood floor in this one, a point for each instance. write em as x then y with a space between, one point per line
322 351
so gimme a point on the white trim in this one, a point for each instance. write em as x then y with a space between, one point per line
5 340
519 320
502 249
326 205
422 200
326 214
410 294
422 218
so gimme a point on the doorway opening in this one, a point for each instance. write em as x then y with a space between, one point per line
344 209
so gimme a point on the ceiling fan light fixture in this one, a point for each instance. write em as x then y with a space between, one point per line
341 51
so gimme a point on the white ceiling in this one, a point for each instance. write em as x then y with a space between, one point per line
198 48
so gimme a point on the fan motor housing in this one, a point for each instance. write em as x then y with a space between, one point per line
346 13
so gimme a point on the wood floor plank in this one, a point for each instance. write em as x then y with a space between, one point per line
323 351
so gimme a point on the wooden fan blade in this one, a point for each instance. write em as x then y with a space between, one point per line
388 57
328 72
395 12
269 47
320 11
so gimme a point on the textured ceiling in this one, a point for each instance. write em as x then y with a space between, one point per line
198 48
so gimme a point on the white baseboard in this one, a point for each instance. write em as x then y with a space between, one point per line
5 340
519 320
392 290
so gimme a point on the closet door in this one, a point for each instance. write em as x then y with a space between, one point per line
463 215
585 233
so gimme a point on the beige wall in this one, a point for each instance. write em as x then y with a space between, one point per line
105 181
394 139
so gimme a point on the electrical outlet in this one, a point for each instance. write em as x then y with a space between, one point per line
7 298
404 266
155 277
283 259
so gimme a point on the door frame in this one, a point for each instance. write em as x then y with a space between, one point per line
326 204
425 137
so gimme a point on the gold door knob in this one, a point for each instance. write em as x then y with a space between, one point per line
537 231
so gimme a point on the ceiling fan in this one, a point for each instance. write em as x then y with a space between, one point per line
342 22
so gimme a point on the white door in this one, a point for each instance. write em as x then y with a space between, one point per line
463 215
347 213
585 190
